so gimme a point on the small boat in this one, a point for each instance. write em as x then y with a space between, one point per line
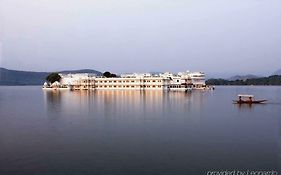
247 99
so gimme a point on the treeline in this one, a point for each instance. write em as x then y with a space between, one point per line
271 80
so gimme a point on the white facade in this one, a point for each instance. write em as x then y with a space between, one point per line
182 81
198 79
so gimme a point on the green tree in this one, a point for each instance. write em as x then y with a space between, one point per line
108 74
271 80
53 77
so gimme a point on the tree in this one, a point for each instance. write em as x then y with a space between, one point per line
271 80
53 77
108 74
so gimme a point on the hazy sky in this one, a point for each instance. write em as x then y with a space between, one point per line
215 36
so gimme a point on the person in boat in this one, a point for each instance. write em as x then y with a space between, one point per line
240 99
251 99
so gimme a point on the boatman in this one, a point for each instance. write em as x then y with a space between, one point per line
240 99
250 99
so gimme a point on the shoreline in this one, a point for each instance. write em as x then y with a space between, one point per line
208 85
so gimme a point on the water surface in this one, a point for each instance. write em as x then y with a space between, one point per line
134 132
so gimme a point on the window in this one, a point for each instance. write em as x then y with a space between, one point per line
153 81
132 86
132 81
178 80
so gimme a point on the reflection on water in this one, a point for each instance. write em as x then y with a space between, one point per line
116 102
137 132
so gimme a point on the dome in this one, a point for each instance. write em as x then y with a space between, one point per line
55 84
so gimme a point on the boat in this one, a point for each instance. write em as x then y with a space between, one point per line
247 99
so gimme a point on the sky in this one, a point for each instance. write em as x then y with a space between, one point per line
219 37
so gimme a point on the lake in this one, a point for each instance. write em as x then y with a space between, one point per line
138 132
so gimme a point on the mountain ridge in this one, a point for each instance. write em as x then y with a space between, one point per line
243 77
10 77
278 72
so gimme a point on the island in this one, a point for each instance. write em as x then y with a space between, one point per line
271 80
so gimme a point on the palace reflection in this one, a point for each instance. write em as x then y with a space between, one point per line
122 102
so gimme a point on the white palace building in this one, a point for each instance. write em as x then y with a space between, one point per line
183 81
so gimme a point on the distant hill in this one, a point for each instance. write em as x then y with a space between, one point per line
15 77
271 80
278 72
242 77
81 71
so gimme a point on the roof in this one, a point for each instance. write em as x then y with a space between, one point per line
244 95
